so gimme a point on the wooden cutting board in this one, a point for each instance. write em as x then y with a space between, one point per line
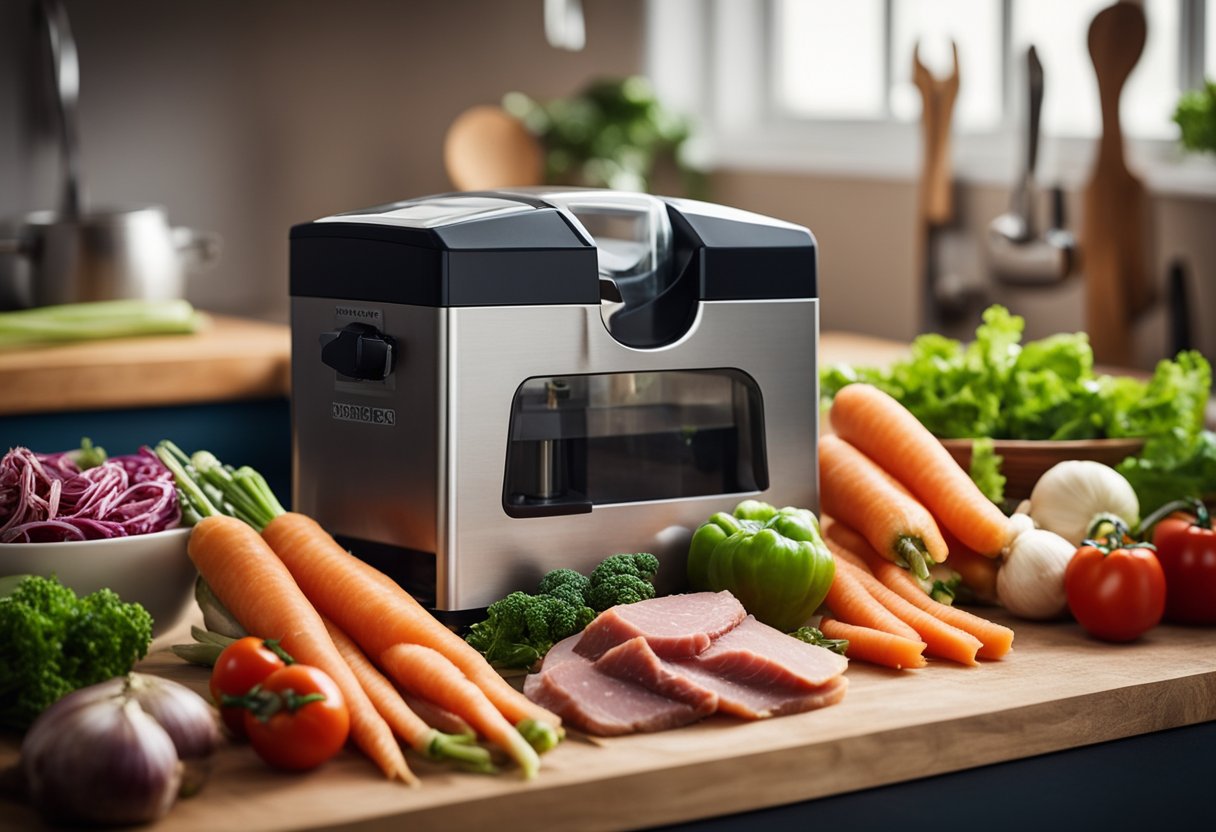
228 359
1058 689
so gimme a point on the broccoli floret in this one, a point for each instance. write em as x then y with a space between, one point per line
55 643
622 579
520 628
566 584
551 619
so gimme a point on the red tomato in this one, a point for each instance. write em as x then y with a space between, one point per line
244 663
1186 547
305 721
1115 591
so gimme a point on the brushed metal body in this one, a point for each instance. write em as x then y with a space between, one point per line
433 480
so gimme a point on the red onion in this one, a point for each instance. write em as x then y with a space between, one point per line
113 753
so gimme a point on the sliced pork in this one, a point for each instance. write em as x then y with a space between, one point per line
750 671
635 661
599 704
756 654
675 626
756 700
669 661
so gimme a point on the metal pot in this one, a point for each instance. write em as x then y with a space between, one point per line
80 254
102 255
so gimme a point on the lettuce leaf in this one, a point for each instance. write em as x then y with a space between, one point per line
1157 481
986 470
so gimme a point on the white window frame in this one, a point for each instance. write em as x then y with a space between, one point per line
707 59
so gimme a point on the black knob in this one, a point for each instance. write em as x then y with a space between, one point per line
359 351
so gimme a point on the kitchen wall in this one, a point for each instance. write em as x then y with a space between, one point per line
247 117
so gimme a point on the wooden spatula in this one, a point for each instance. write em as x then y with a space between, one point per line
1113 227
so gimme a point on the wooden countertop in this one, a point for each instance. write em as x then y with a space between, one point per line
1058 689
229 359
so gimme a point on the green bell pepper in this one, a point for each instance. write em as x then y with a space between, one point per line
773 560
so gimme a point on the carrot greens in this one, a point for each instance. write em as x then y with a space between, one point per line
207 487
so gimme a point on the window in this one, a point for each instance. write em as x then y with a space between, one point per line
825 83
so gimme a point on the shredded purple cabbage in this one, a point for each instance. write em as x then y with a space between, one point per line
47 498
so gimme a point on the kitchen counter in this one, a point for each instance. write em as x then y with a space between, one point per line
230 359
1050 729
1058 689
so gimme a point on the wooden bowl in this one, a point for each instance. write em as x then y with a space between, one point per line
1025 460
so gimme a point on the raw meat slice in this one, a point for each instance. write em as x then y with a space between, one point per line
759 655
754 699
598 704
745 682
675 626
635 661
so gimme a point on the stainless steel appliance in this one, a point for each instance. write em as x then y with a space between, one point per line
487 386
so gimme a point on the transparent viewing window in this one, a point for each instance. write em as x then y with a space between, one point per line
585 440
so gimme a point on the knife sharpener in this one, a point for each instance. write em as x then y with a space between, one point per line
487 386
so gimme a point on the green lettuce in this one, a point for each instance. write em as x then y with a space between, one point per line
986 469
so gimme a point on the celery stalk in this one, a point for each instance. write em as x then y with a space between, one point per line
101 319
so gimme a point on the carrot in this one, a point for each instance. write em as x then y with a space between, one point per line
438 718
875 646
401 718
428 673
941 639
854 490
377 613
890 435
850 602
254 585
995 639
978 573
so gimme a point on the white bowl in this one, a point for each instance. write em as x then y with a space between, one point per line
152 569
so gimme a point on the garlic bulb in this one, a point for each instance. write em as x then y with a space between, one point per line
1071 495
1030 583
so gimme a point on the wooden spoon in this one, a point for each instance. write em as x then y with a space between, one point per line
935 198
1112 229
937 111
487 148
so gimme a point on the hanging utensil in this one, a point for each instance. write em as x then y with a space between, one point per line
1017 254
66 67
1112 229
945 297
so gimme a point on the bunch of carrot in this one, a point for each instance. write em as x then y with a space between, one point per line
283 576
887 483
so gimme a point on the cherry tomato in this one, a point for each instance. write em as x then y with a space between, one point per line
303 720
1186 547
242 665
1116 590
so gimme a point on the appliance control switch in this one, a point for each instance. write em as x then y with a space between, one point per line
359 351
